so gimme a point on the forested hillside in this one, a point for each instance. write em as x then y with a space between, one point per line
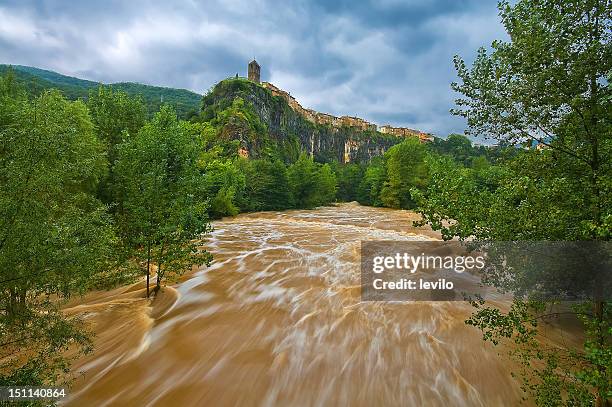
185 102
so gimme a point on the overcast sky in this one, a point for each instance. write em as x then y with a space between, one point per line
388 61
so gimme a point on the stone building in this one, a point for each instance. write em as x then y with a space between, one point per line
358 122
331 120
254 71
406 132
317 117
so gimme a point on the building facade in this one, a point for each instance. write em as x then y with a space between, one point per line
406 132
331 120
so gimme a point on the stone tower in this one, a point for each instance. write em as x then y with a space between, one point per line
254 70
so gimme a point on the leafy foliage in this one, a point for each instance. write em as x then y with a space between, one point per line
312 184
163 208
349 177
115 115
547 85
267 188
54 234
405 168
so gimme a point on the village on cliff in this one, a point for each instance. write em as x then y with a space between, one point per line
254 71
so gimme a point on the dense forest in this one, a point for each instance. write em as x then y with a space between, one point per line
35 81
96 190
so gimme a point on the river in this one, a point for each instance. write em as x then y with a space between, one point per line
277 320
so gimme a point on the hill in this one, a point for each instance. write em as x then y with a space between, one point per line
36 80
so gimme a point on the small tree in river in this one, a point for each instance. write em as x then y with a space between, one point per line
163 210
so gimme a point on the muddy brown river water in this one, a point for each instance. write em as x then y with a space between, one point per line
277 320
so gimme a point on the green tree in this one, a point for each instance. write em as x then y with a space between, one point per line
302 179
405 168
480 163
312 184
372 183
115 115
222 179
547 84
349 177
55 236
326 185
267 185
164 208
457 146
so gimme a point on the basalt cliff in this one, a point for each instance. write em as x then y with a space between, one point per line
262 117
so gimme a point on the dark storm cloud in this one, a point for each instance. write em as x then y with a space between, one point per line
388 61
397 13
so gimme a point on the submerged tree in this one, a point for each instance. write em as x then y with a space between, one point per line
164 209
547 84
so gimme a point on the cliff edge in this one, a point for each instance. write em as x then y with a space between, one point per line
263 118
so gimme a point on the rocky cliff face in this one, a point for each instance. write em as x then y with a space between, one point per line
318 117
290 130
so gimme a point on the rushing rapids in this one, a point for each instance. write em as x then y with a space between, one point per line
277 320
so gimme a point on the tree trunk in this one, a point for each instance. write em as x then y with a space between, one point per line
158 283
12 304
148 266
600 400
159 268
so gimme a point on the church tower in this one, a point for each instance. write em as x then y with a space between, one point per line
254 70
